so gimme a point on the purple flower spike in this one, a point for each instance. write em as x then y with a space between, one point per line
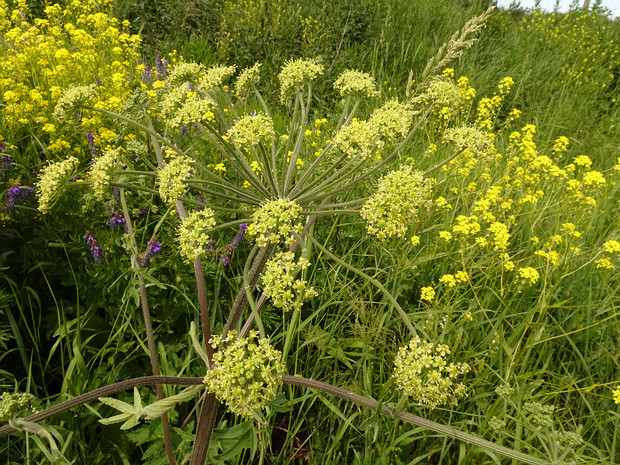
91 143
17 194
12 195
94 247
237 240
116 220
152 248
5 166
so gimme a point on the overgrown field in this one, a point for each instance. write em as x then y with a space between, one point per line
370 232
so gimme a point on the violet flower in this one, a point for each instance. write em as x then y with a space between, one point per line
94 247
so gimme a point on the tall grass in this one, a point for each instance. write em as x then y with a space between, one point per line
74 327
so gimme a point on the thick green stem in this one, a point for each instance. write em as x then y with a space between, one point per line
242 299
211 405
390 411
104 392
206 422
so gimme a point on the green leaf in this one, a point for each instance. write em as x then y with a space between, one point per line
117 404
116 419
131 413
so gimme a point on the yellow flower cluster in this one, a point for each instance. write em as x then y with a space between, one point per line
422 373
51 181
471 140
246 372
528 275
276 221
280 285
590 50
249 130
247 79
488 107
452 280
172 178
295 73
356 83
67 106
74 45
193 236
101 172
216 76
400 194
392 120
358 139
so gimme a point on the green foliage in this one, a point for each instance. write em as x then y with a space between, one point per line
516 243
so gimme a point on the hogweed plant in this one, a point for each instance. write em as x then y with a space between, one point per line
217 159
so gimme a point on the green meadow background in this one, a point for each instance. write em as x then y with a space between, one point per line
544 352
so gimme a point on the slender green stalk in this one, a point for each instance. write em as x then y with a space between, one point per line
335 187
150 338
390 411
386 293
241 300
195 184
248 292
147 129
292 165
236 158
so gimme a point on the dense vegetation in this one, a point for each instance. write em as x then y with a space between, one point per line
401 201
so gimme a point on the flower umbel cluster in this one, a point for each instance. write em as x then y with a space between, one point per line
216 75
248 78
295 73
539 414
280 285
358 138
251 130
246 375
172 179
51 180
423 374
185 72
193 111
400 194
477 143
67 106
356 83
392 120
192 234
276 221
13 403
101 172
